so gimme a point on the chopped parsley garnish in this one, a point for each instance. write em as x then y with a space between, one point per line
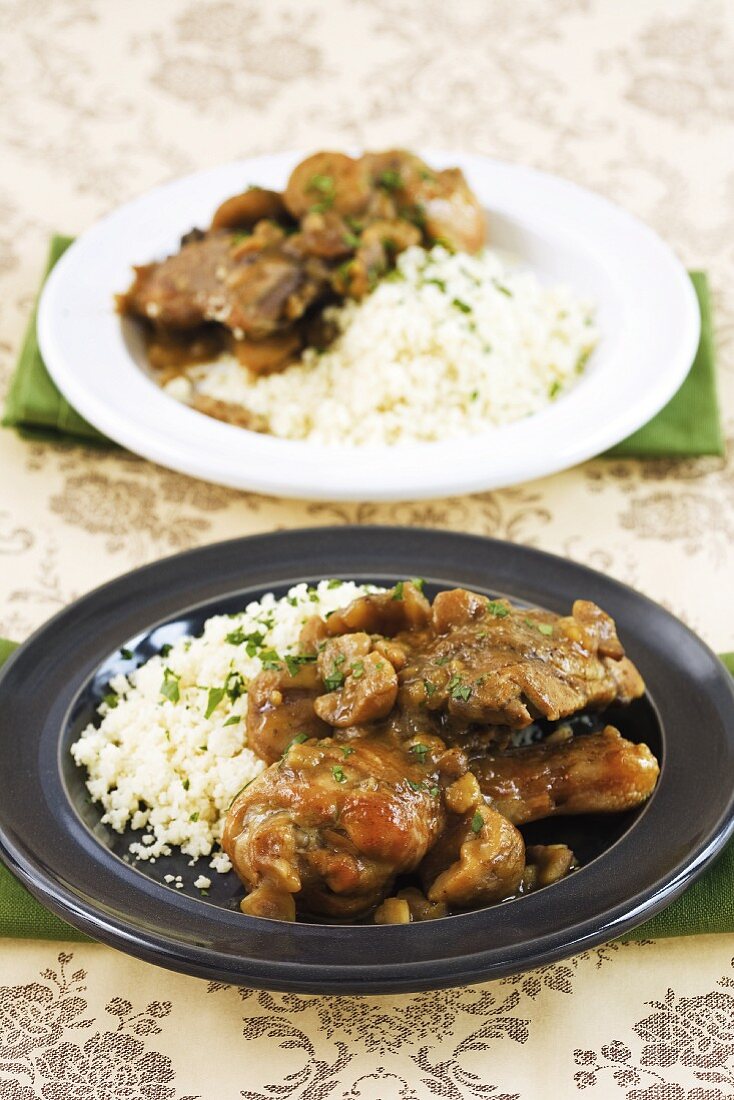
338 772
335 583
238 637
350 240
435 791
347 750
111 699
463 306
420 750
477 822
126 654
194 816
169 687
474 395
334 680
294 663
297 740
418 582
357 669
503 290
497 609
213 700
414 786
233 720
554 389
165 649
398 591
436 282
390 179
545 628
459 690
442 661
185 784
324 186
270 660
234 685
430 688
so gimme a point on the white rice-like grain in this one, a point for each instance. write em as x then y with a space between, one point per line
156 762
447 345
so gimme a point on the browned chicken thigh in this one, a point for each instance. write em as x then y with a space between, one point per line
331 825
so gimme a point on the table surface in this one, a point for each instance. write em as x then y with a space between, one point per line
101 101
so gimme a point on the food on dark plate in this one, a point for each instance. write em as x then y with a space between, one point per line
256 281
391 743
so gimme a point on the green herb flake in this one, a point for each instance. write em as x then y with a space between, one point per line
234 685
504 290
347 750
297 740
474 395
554 389
338 772
390 179
335 583
420 750
464 307
418 582
233 720
294 663
169 687
165 649
436 282
111 699
440 661
323 185
477 822
497 609
351 240
126 654
213 700
334 680
430 688
398 591
239 792
545 628
357 669
435 791
458 690
414 786
194 816
270 660
185 783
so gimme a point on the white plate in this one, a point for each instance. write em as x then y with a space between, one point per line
646 311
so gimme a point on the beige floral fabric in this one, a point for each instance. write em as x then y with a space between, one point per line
99 101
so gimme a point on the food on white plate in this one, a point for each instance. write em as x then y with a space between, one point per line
359 307
356 753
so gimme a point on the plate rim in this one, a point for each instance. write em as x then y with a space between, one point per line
412 974
289 468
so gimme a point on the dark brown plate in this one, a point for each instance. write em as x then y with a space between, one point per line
634 864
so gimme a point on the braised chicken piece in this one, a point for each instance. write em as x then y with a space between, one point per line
329 827
387 736
591 774
492 664
252 292
280 707
258 280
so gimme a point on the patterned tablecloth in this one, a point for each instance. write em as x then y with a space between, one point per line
100 101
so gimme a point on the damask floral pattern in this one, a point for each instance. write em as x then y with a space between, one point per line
101 101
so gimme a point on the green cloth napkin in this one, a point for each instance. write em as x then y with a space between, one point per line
688 425
707 906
